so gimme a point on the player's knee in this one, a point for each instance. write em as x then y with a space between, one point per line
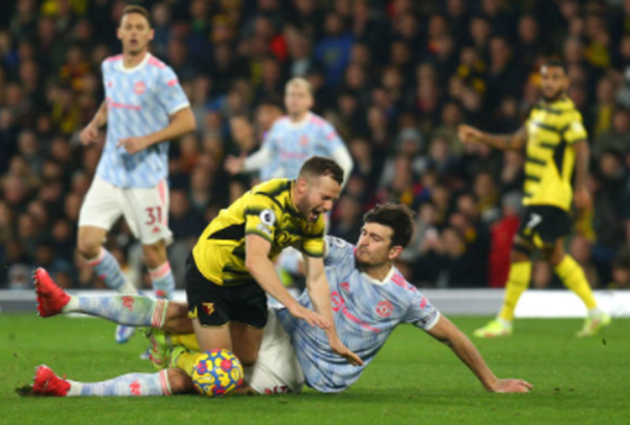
553 257
88 247
155 254
520 253
248 359
179 381
177 320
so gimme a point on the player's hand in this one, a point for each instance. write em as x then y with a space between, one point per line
234 164
511 386
310 316
337 346
582 198
468 134
89 134
134 144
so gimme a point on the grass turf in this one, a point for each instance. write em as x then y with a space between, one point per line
414 379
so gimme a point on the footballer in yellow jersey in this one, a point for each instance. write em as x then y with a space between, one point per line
557 153
230 271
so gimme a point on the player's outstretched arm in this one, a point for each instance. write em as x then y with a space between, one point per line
181 122
515 141
90 134
263 271
236 165
446 332
319 292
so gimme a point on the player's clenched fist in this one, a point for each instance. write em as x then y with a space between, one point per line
134 144
234 164
468 134
89 134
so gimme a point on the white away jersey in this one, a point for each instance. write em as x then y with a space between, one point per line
139 102
292 144
365 312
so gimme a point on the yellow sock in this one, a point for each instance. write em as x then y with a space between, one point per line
518 281
188 340
573 277
186 361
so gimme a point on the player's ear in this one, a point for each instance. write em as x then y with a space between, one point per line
118 33
395 251
151 34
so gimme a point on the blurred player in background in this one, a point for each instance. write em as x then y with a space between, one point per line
556 144
293 139
144 108
369 296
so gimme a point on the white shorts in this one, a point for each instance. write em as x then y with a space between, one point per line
277 369
145 209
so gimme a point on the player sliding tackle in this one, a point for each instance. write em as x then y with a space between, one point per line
369 299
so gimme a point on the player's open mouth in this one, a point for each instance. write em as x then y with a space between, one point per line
315 214
134 42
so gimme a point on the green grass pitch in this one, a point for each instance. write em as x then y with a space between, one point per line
414 380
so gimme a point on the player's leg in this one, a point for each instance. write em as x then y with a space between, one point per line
209 310
133 310
517 283
100 209
163 383
146 214
573 277
249 316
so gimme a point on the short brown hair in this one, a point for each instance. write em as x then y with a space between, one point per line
321 166
397 217
136 8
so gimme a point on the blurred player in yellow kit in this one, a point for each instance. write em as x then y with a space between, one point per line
556 145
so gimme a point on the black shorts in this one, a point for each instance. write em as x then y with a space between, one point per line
547 222
216 305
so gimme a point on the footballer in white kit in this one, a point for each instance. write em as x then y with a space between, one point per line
144 108
293 139
369 298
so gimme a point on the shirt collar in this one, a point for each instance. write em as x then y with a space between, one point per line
142 63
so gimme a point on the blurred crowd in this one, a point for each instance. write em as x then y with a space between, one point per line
395 77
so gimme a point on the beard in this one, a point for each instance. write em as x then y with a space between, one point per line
553 97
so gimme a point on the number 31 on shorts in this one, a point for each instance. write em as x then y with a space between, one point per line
155 214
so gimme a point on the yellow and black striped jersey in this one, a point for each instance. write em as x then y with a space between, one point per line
267 211
552 130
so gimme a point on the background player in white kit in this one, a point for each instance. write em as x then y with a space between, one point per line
369 298
144 108
293 139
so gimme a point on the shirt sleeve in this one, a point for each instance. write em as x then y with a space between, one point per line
421 313
261 217
331 139
573 130
170 93
336 251
313 241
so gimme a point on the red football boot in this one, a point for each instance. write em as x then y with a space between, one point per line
50 297
48 384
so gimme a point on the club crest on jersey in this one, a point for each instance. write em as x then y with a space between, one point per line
384 308
139 87
208 308
304 140
268 217
345 286
110 84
